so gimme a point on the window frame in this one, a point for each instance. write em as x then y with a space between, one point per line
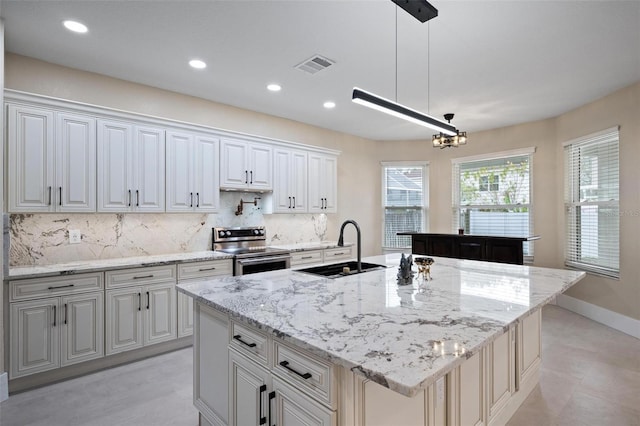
425 198
571 204
456 194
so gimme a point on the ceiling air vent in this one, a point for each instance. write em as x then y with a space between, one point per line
314 64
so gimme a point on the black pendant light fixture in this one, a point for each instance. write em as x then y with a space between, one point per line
423 11
443 140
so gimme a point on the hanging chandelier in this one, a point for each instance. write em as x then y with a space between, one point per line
445 141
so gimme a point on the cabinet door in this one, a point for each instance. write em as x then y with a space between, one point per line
466 393
298 181
31 159
329 178
123 320
185 315
291 407
35 337
149 184
234 171
180 196
159 304
207 173
211 365
115 170
282 196
82 322
501 372
315 194
260 172
248 393
75 189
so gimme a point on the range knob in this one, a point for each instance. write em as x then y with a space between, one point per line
228 233
256 232
262 232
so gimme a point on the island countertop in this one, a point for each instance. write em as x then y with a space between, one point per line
402 337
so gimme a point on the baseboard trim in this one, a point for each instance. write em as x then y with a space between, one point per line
4 387
604 316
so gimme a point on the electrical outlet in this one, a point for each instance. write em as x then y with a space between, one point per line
75 237
440 391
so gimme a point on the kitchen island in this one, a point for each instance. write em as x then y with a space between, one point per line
289 347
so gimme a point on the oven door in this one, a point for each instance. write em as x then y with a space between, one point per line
252 265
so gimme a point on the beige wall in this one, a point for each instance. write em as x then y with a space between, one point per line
359 165
620 108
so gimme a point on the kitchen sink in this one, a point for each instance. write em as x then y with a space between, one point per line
336 270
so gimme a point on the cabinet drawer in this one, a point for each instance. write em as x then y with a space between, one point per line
331 255
140 276
210 268
301 368
52 286
250 342
306 257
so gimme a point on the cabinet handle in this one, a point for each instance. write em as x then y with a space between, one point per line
60 200
65 314
191 198
340 253
306 257
139 302
272 396
246 176
285 364
289 202
49 195
148 299
59 286
238 337
207 269
263 419
137 198
139 277
251 173
197 199
55 311
129 205
294 202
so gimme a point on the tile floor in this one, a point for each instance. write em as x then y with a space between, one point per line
590 375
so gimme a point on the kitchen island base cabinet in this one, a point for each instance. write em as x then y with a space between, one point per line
239 380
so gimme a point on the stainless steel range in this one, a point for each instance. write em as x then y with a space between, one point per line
249 247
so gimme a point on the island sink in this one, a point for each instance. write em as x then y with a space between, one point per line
337 270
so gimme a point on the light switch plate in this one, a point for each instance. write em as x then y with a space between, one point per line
75 236
440 390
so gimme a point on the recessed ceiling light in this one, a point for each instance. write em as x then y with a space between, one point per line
274 87
75 26
329 104
197 64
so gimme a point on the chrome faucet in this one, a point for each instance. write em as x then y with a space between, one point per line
341 240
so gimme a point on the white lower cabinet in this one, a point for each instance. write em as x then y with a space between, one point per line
52 332
194 271
140 307
294 408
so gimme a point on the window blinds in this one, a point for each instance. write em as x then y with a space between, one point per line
592 210
492 196
404 202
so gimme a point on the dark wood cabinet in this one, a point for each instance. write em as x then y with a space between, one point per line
474 247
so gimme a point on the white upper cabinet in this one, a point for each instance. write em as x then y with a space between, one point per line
245 165
51 161
323 178
193 166
290 181
131 171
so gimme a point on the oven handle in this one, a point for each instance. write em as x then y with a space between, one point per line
264 259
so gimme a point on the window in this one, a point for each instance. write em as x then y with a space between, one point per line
492 195
404 202
592 211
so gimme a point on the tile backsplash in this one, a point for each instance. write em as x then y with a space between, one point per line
42 239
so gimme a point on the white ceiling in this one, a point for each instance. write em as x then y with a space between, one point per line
492 63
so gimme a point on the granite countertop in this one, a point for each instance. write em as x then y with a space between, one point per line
106 264
402 337
293 247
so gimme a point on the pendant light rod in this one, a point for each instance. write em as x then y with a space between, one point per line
378 103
